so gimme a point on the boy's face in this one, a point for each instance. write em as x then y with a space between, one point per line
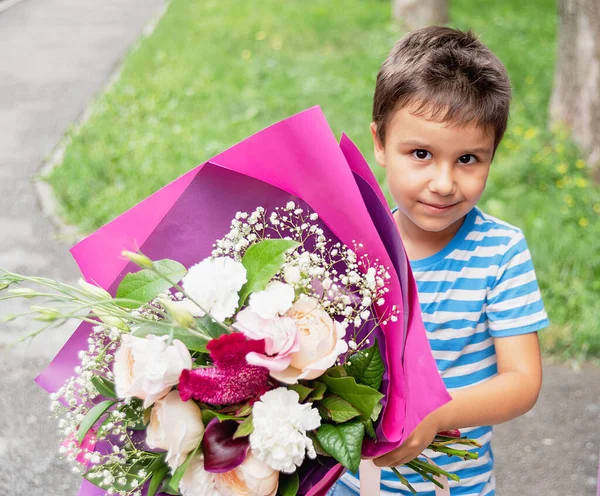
436 172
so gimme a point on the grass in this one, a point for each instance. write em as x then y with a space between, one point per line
214 72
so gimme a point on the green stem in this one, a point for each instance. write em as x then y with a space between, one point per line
404 480
467 455
433 469
424 474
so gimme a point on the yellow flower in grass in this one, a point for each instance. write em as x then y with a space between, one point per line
562 168
583 222
569 200
581 182
530 134
580 164
597 208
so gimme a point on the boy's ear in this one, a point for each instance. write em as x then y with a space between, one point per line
377 146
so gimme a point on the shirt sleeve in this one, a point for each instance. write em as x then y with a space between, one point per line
514 304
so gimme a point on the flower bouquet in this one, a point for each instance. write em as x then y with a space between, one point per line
275 340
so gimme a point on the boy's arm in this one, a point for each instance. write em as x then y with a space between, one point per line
508 395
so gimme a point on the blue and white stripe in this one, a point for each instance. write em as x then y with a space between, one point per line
481 286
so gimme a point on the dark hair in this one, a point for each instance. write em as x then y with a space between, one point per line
446 74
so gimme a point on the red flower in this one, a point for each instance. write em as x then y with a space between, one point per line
232 379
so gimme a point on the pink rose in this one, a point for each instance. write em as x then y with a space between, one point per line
279 333
320 341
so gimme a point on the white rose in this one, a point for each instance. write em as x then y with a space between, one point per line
196 481
175 426
214 285
147 368
253 477
276 299
320 339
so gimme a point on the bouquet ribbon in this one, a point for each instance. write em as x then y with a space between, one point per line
370 479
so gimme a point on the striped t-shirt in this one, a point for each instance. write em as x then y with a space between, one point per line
481 286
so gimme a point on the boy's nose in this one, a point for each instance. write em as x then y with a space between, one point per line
443 182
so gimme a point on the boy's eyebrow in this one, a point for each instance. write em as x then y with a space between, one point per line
419 144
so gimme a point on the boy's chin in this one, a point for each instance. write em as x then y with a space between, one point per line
437 225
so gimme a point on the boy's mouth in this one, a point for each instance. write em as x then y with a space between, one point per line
438 208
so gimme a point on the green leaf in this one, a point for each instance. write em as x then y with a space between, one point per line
134 415
364 398
145 285
303 391
126 476
166 487
245 428
262 261
343 442
319 391
189 338
92 417
338 371
105 387
288 484
210 327
369 429
367 366
317 445
208 415
180 472
157 477
338 409
376 411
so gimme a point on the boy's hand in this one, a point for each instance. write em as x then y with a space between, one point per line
420 438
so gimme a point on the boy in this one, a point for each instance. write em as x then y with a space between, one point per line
440 110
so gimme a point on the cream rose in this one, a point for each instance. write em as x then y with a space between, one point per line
175 426
320 340
252 478
147 368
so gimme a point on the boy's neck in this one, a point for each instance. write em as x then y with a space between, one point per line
420 244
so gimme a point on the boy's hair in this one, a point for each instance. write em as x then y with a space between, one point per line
446 74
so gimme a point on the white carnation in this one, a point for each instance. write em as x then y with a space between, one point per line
214 285
280 424
276 299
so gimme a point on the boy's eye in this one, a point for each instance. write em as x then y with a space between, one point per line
467 159
421 154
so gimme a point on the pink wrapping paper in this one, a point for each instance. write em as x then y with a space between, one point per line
298 155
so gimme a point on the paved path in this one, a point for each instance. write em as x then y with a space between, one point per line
55 55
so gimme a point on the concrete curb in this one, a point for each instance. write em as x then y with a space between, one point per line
47 200
7 4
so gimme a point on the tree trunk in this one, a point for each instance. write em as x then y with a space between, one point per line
575 99
413 14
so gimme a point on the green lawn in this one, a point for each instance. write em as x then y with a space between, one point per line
214 72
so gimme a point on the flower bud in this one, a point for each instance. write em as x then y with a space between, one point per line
178 313
24 292
46 314
92 290
139 259
111 320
